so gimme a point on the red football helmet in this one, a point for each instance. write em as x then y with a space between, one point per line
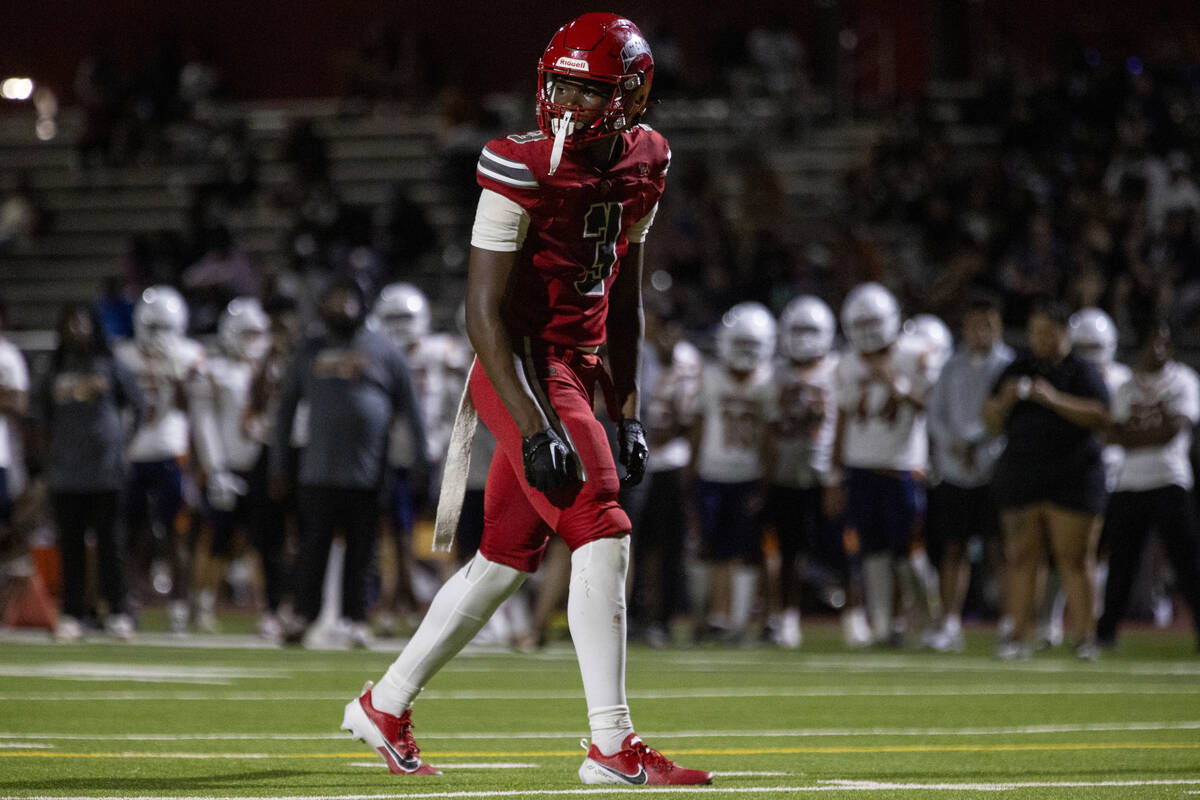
598 48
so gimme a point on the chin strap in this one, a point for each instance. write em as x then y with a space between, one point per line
565 126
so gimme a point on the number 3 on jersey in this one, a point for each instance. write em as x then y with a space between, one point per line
602 222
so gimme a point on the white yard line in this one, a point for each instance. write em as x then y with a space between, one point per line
1008 730
925 662
664 694
824 786
498 765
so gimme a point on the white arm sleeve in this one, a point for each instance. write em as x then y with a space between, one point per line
637 234
500 224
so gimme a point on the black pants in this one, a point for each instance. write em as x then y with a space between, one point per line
801 528
269 519
323 511
659 529
75 512
1131 517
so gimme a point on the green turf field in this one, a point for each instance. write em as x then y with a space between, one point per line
98 719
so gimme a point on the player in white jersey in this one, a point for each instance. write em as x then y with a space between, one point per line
438 366
881 445
1093 336
171 371
939 343
1153 413
737 399
669 391
243 341
802 439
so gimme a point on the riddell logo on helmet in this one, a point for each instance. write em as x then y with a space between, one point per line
571 63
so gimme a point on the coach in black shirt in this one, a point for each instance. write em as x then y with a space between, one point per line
1049 482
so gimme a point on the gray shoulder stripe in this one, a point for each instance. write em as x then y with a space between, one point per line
513 170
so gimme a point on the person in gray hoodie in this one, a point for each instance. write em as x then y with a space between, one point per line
355 382
79 405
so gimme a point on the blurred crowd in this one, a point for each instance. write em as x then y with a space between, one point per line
1088 191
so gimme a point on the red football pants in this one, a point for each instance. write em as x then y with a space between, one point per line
518 519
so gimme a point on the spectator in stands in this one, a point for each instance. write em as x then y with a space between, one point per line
305 152
231 179
99 91
79 405
1153 416
404 234
1049 482
965 453
1035 267
1179 192
391 65
14 399
353 254
155 259
224 272
115 308
22 216
354 381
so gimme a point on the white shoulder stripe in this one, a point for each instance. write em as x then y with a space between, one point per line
504 161
496 176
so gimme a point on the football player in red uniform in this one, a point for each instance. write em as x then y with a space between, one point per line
555 273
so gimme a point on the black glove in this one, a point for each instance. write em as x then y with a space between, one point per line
547 460
632 451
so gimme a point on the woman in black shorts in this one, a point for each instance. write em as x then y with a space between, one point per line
1049 482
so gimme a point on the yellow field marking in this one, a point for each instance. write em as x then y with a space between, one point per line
736 751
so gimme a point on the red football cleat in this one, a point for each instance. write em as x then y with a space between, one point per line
391 736
638 764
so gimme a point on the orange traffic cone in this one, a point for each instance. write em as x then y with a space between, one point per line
30 604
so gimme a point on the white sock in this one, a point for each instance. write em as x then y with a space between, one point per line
596 617
1099 581
458 611
206 601
745 585
878 585
953 624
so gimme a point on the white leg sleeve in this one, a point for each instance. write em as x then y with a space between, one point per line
596 616
878 586
458 611
745 592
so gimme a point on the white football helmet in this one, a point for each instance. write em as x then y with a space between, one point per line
1093 335
402 311
870 317
160 317
746 337
244 329
808 328
930 329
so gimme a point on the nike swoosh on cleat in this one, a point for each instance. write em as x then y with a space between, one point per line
407 764
637 779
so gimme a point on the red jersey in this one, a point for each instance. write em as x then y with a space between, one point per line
578 221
